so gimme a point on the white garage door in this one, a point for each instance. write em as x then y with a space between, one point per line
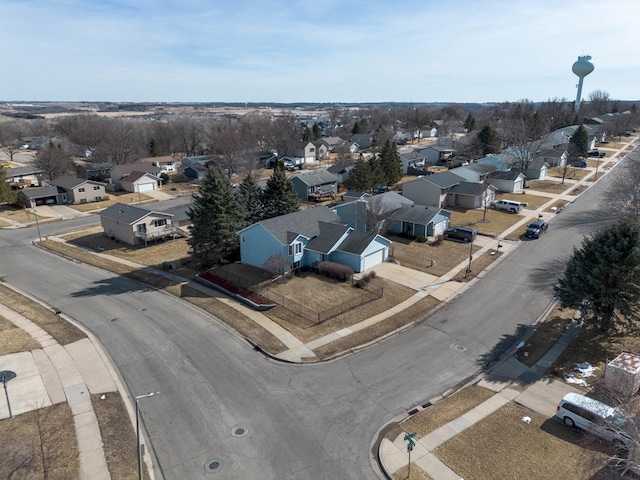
374 259
438 228
145 187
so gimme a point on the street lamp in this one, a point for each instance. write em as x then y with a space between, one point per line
468 272
35 214
139 447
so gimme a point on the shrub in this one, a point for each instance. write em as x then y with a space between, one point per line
372 274
421 239
335 270
362 283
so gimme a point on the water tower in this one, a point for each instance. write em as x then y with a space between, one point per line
582 68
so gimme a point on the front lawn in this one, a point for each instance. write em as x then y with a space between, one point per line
492 224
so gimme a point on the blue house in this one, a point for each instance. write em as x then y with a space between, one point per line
418 220
307 237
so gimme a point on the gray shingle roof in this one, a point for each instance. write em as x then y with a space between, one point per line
39 192
304 222
329 235
444 179
128 214
315 177
357 242
469 188
71 182
16 171
420 214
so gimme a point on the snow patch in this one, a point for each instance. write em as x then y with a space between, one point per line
579 373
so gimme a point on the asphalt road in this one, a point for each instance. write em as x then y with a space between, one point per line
299 421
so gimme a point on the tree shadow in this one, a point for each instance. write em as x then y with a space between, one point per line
503 346
544 276
112 286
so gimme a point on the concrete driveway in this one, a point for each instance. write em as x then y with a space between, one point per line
404 276
59 211
544 395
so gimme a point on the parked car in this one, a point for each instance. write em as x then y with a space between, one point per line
508 205
580 164
464 234
535 229
289 166
589 414
594 153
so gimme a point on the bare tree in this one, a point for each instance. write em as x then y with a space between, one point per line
599 102
623 196
277 265
236 147
54 161
188 134
376 213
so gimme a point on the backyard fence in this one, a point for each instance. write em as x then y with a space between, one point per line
297 308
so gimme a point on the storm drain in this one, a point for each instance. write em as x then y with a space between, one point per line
213 466
239 431
460 348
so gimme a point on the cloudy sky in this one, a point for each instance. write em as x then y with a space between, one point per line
315 51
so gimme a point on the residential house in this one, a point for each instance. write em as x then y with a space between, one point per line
332 143
537 169
167 163
196 172
75 190
309 185
511 181
322 150
495 171
470 195
431 190
119 171
136 225
437 154
554 157
304 152
364 140
307 237
340 171
418 220
369 212
138 182
22 177
36 196
412 161
98 172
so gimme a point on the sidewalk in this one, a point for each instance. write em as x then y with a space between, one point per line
56 374
511 380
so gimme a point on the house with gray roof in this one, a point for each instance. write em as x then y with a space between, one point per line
448 189
21 177
76 190
340 171
369 212
36 196
418 220
313 183
98 172
307 237
136 225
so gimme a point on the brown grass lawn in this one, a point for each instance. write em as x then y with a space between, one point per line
14 340
572 173
114 197
533 201
22 444
63 332
504 446
118 435
493 223
317 292
416 473
418 256
545 335
446 410
549 186
556 205
4 224
478 265
17 214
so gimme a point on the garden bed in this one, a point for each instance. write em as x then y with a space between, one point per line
246 296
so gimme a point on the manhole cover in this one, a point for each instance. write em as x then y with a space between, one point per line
213 466
239 431
459 348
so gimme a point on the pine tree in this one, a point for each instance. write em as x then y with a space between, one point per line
580 141
489 140
316 132
602 278
377 173
390 163
279 197
7 195
250 200
470 123
216 216
359 178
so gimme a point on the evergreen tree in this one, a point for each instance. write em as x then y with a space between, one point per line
602 278
580 141
377 173
250 200
306 134
359 178
216 216
357 128
489 139
390 163
316 132
470 123
7 194
279 197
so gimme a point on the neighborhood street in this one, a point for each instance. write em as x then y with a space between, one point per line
316 421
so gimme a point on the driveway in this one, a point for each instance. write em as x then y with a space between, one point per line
59 211
404 276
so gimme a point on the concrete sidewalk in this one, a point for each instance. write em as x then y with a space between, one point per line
511 380
56 374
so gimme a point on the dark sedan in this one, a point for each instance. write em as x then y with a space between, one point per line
461 233
536 229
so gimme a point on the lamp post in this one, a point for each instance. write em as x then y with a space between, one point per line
468 272
139 447
35 214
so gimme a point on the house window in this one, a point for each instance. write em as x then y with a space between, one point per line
142 228
81 190
160 223
96 187
290 250
298 248
242 237
295 265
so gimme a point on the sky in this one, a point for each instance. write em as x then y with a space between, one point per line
288 51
